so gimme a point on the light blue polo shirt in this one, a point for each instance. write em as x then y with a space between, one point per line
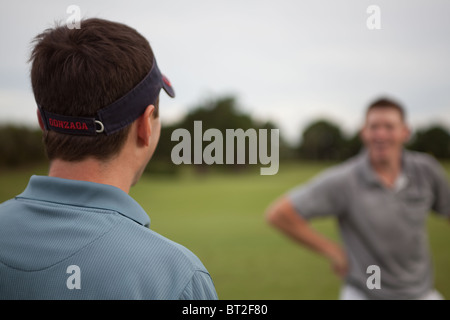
68 239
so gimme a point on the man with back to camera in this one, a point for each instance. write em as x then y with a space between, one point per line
381 199
76 233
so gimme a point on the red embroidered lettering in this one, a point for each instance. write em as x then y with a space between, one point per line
57 123
68 124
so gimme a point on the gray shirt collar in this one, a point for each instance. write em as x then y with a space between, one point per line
371 177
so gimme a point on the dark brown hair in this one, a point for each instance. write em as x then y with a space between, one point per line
76 72
387 103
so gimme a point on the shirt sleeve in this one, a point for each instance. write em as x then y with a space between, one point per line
200 287
441 188
323 196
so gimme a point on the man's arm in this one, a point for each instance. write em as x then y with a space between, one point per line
441 188
283 216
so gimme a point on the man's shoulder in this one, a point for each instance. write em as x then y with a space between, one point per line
6 204
419 161
341 172
148 245
153 266
420 158
178 252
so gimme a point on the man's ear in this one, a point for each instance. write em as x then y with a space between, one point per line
144 126
41 123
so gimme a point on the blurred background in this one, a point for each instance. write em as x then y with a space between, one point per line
307 68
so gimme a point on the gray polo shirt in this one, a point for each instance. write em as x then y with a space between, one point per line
381 226
67 239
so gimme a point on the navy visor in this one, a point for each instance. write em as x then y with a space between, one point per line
117 115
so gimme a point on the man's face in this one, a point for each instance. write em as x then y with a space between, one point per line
384 134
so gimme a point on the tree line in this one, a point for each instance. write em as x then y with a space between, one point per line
320 140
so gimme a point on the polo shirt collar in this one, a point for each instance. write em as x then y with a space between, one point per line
366 169
370 176
85 194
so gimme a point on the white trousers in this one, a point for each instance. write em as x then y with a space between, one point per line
351 293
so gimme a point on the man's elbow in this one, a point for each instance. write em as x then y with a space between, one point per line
273 214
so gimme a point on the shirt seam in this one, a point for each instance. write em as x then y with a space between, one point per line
194 270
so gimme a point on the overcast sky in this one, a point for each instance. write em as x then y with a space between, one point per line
290 61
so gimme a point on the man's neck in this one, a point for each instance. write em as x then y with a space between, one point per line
92 170
388 171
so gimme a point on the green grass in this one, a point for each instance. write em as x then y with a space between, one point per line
220 217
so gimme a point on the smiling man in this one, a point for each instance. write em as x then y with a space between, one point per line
381 199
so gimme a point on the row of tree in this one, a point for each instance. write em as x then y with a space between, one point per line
321 140
20 146
324 140
221 114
